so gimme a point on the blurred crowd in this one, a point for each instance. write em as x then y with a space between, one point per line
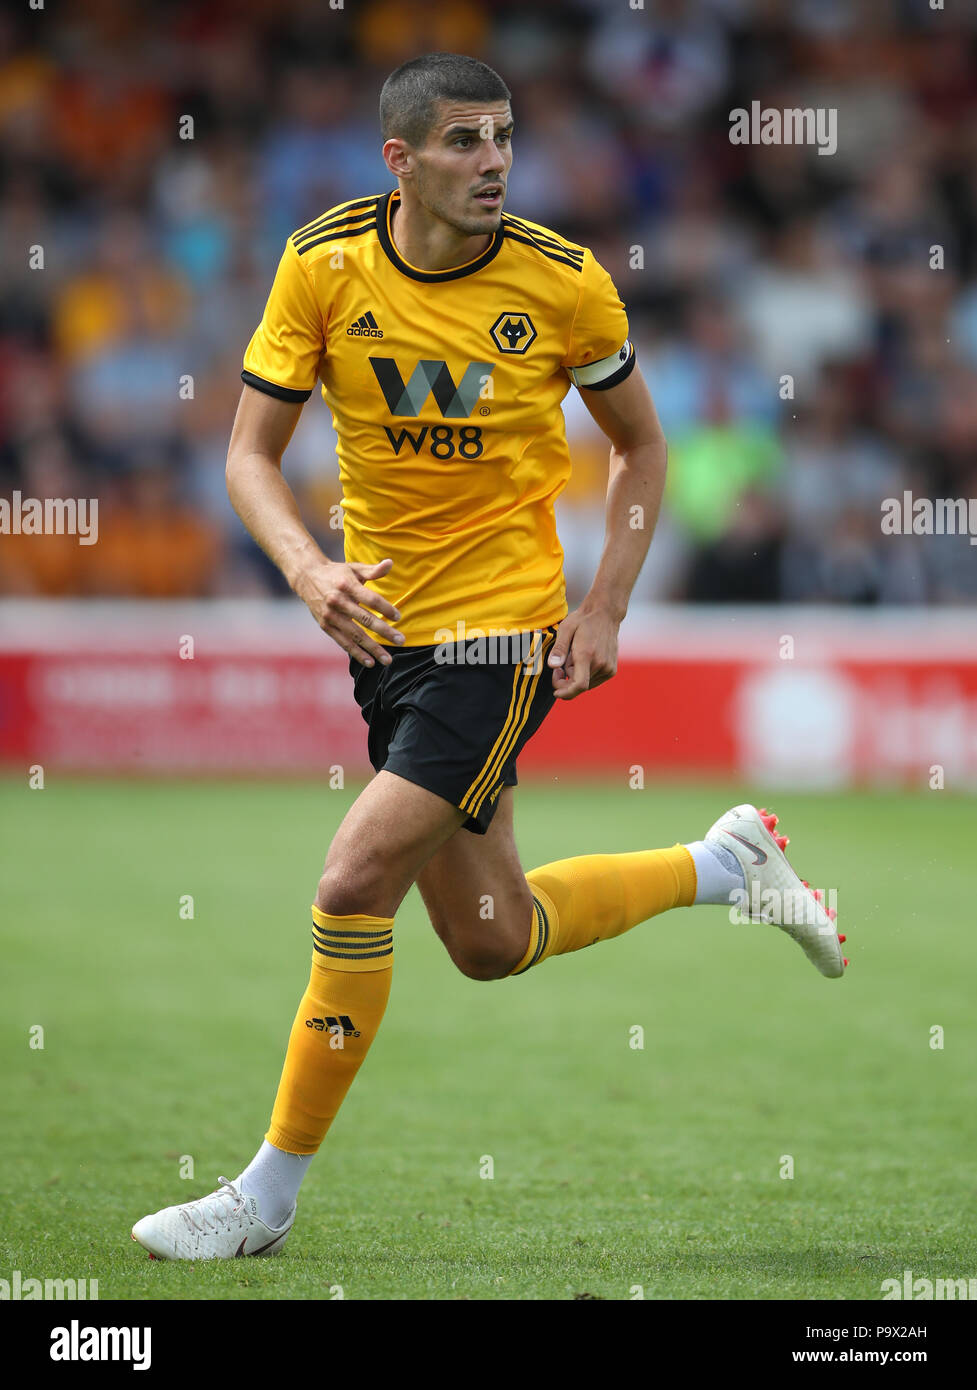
807 324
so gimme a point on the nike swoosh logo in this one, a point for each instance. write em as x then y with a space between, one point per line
239 1252
761 854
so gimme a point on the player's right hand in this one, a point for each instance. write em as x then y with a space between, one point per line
337 596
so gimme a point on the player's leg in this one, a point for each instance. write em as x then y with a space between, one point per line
482 903
495 920
390 831
476 894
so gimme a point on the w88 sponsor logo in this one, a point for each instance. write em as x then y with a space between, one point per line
455 400
443 441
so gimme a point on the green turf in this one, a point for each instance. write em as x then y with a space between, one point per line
613 1167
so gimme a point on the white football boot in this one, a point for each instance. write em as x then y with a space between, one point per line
224 1225
774 893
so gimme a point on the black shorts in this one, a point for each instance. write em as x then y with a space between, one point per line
453 718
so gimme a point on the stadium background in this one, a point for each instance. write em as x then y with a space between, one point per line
778 639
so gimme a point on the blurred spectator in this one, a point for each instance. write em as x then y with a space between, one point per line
44 565
123 294
152 546
741 566
802 305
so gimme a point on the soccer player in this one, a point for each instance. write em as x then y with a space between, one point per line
445 334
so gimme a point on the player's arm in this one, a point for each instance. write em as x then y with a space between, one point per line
585 651
336 594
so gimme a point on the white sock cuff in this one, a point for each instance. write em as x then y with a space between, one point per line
717 873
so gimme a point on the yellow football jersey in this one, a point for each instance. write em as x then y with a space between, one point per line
445 390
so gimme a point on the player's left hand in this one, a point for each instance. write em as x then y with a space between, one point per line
584 654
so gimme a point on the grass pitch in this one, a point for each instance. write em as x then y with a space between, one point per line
614 1166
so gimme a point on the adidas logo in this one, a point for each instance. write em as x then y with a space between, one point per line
343 1023
364 327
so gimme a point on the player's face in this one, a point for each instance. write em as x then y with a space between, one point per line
460 174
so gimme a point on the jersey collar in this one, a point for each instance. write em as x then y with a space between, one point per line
454 273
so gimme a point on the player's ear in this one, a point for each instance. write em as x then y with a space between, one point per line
397 156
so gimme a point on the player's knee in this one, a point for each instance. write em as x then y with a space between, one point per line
332 896
342 895
483 967
488 961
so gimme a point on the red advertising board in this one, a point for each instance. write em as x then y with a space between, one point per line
804 698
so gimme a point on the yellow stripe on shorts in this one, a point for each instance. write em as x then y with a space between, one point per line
523 692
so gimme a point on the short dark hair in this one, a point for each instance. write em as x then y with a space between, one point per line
408 101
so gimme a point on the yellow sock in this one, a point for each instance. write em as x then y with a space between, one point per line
577 902
337 1020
